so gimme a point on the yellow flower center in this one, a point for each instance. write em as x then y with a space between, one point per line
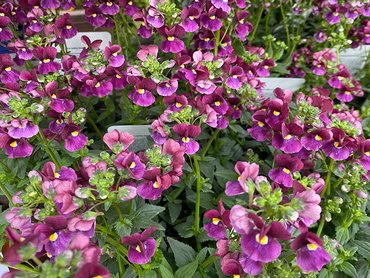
178 104
93 15
340 78
141 91
185 139
347 92
241 21
276 113
206 39
8 69
263 241
224 44
367 153
312 246
69 27
217 103
118 76
287 137
286 170
54 96
115 54
337 145
261 124
49 255
171 38
56 175
74 133
155 185
53 237
109 4
132 165
46 60
318 138
212 17
59 122
97 85
138 249
191 17
130 3
235 76
236 276
215 220
14 144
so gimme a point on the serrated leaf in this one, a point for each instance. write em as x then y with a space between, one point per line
201 256
187 271
183 253
363 248
143 216
130 273
149 274
348 269
324 273
342 234
174 210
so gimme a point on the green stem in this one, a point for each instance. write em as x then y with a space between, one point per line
327 180
285 22
22 268
207 262
256 24
211 139
116 207
321 226
48 150
197 201
217 41
6 168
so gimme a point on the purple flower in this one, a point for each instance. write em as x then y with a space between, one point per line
260 131
213 19
187 135
188 19
109 8
95 87
340 147
320 36
94 17
219 222
74 139
364 159
142 246
22 129
144 30
89 270
221 4
112 54
50 4
230 265
243 28
172 43
288 140
22 50
240 220
114 137
286 165
311 210
249 266
314 140
264 66
245 171
234 81
217 102
64 26
260 244
155 18
132 164
142 93
154 184
167 88
311 256
332 17
5 33
277 113
46 55
15 148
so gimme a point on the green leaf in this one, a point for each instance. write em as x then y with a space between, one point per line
130 273
165 272
174 210
187 271
324 273
149 274
238 47
143 216
342 234
201 256
183 253
363 248
348 269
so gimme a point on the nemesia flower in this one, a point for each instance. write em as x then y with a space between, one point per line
340 147
22 129
219 221
311 256
187 134
64 26
172 42
124 139
314 140
142 94
132 164
245 171
154 184
112 54
141 246
92 270
286 165
189 18
46 55
74 140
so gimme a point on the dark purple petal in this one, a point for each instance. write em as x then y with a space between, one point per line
249 266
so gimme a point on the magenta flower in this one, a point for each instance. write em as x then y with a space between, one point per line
189 18
311 210
288 140
167 88
243 27
46 55
260 131
154 184
240 220
172 43
235 79
286 165
5 33
311 256
219 222
212 20
245 171
159 134
142 246
187 134
217 102
64 26
132 164
15 148
155 18
22 129
364 159
124 139
261 244
314 140
340 147
74 140
22 50
95 87
221 4
112 54
249 266
142 93
50 4
109 7
89 270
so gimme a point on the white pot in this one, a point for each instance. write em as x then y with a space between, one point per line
354 58
3 269
140 132
284 83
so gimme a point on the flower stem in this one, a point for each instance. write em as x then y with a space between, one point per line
6 193
217 41
255 27
197 201
211 139
285 23
94 126
48 150
327 180
321 226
